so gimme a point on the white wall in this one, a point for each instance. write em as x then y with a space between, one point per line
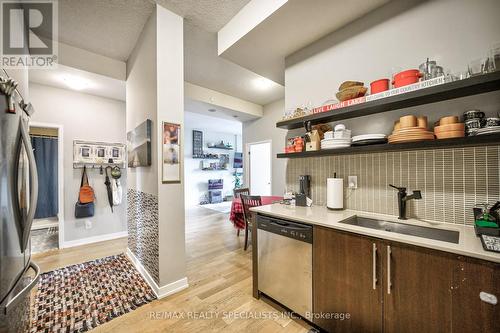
265 129
142 102
83 117
453 32
75 57
214 130
170 90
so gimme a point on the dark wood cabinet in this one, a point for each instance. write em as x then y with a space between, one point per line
470 313
416 290
343 282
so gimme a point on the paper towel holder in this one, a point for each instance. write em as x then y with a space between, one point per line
335 193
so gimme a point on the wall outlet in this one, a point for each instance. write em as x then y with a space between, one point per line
88 224
352 182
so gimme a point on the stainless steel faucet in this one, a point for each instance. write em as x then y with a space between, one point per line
403 198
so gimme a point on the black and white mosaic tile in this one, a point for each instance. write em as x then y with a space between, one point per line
142 220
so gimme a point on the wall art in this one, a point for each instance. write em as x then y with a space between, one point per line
171 153
139 145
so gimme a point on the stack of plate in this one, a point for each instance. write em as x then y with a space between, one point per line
487 130
410 134
449 127
368 139
410 129
335 143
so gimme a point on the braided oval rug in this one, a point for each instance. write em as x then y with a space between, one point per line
80 297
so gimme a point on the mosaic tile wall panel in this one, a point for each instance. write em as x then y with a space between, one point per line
452 181
142 220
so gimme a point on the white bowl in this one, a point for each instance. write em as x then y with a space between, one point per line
345 134
329 135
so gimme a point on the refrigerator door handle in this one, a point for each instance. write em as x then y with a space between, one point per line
26 227
14 300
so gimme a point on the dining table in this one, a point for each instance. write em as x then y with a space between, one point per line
236 215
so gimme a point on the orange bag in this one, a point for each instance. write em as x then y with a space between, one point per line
86 191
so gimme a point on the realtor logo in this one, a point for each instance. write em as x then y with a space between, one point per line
28 33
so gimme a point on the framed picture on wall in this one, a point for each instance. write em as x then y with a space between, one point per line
171 151
139 145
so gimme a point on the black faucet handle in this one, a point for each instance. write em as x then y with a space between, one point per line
401 189
417 194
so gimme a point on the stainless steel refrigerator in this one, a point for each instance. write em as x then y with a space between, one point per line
18 197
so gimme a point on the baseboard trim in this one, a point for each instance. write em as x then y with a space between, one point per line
162 291
94 239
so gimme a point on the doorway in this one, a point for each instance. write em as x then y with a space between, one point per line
259 167
47 229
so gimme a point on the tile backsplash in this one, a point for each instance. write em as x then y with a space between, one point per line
452 181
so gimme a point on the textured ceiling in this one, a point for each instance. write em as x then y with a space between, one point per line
210 15
112 27
107 27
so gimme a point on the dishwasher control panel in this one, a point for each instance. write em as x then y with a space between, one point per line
298 231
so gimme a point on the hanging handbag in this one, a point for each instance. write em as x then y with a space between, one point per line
86 191
85 209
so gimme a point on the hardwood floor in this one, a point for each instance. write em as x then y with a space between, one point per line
219 297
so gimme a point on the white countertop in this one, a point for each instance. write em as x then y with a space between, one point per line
468 245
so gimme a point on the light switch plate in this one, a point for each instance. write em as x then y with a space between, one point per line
352 182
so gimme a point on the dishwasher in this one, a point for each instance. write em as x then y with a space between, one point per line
285 263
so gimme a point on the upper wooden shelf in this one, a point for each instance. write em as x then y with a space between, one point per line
461 88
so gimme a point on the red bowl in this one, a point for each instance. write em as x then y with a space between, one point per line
379 86
407 77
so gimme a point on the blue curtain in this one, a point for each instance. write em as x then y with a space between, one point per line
45 150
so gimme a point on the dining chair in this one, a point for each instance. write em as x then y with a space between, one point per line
239 191
249 201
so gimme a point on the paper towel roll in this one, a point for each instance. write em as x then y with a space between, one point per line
335 193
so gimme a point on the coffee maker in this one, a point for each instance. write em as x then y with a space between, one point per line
305 185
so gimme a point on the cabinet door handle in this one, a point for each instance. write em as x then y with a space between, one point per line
374 263
389 283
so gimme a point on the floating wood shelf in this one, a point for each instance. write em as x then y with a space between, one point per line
220 147
462 88
471 141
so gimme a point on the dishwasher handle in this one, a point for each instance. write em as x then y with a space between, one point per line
288 225
297 231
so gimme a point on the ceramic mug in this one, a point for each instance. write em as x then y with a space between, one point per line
492 122
472 125
473 114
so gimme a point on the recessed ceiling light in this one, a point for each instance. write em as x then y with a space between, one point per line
211 110
75 82
262 83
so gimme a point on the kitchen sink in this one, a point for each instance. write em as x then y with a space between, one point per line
449 236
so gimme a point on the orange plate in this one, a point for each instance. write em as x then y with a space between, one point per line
450 127
450 134
412 129
409 140
408 135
